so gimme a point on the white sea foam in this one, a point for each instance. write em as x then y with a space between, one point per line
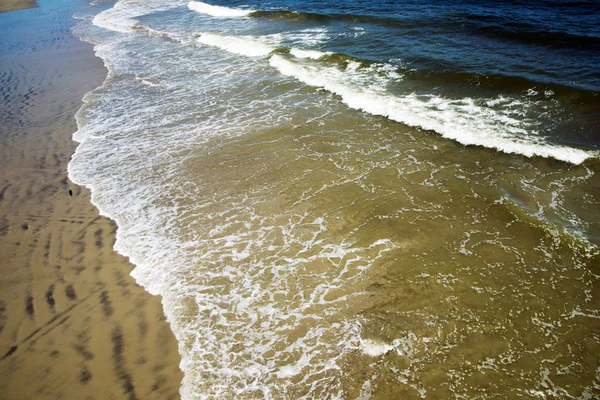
462 120
244 45
312 37
313 54
375 348
181 249
118 18
217 11
122 16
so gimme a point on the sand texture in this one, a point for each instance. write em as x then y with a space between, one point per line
73 323
13 5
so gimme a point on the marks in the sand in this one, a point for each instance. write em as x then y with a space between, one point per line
113 228
84 352
47 247
143 327
61 317
140 307
119 363
85 375
60 276
98 240
163 335
80 245
70 292
4 226
60 243
29 306
83 230
42 163
34 336
78 269
158 383
4 191
98 267
82 346
72 221
123 283
10 352
107 307
3 316
59 159
50 298
16 94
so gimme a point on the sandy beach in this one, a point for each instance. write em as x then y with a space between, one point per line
73 323
13 5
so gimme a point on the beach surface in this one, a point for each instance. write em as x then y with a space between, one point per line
73 323
13 5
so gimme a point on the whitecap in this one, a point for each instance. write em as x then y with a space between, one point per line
217 11
244 45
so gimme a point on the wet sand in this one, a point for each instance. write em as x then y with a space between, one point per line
13 5
73 323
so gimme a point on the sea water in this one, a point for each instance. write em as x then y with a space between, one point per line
356 199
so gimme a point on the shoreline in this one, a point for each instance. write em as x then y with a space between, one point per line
73 322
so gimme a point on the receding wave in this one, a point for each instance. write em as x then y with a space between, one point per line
122 17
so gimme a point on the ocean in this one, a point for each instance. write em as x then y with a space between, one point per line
357 200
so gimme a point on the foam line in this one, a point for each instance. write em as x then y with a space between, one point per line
244 45
461 120
217 11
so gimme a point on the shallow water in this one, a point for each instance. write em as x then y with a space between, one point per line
323 224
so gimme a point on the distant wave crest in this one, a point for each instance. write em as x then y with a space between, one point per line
217 11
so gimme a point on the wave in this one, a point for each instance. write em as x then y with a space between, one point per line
312 54
473 24
217 11
462 120
295 16
526 33
250 46
257 46
499 122
307 16
490 26
436 75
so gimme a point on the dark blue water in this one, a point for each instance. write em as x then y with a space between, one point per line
555 42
